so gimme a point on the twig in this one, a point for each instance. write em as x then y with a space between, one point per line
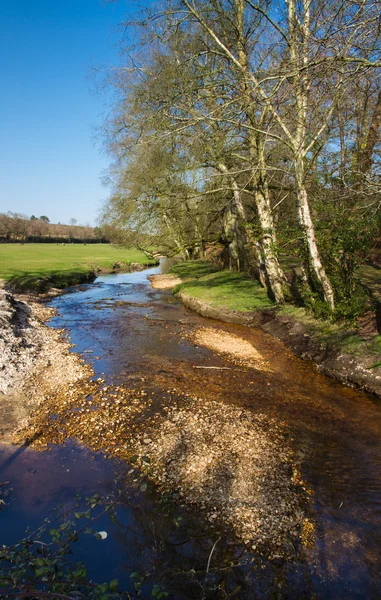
42 543
218 368
208 567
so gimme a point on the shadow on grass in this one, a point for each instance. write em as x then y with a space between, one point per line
370 276
194 269
228 289
42 282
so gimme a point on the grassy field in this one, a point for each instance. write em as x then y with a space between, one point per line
40 266
221 289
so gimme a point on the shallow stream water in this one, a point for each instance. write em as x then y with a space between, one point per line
129 333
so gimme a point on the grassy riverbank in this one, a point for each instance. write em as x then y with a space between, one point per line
221 289
354 350
236 291
41 266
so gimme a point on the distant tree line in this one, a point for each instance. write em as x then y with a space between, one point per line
16 227
253 126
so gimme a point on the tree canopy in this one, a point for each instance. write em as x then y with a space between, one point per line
253 127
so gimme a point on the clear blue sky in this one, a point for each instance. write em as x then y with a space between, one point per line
50 163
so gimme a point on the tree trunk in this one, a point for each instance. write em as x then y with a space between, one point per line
299 38
305 221
365 154
234 229
275 278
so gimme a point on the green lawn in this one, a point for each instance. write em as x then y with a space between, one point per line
40 266
222 289
194 269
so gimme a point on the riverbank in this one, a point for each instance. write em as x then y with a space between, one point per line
41 267
347 354
35 360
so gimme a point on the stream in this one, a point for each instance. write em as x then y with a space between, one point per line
129 333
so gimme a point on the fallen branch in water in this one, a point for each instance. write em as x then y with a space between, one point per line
219 368
208 567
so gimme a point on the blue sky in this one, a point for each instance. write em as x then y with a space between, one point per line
50 163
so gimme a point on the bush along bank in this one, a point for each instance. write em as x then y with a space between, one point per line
349 353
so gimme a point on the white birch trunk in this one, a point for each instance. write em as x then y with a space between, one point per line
299 35
305 220
276 279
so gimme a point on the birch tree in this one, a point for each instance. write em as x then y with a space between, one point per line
231 85
228 37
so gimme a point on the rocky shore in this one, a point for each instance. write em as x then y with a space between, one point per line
34 360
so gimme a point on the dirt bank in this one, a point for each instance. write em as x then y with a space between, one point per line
164 282
34 360
350 369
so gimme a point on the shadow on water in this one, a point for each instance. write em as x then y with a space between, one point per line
130 332
145 537
16 454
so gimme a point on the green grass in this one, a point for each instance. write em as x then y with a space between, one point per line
194 269
236 291
335 335
222 289
40 266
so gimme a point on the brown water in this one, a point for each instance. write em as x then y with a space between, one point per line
135 332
